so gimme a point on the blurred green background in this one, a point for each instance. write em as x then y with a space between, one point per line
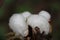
9 7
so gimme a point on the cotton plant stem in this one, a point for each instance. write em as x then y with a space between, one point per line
33 35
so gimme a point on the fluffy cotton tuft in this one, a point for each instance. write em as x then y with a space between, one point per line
36 20
45 14
18 25
26 14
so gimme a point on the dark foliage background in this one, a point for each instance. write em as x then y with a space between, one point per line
8 7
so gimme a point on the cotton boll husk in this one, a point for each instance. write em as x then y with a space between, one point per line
26 14
17 24
36 20
45 14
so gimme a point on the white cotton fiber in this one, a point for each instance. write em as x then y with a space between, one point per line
26 14
45 14
17 24
36 20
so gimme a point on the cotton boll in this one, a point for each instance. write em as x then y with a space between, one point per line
36 20
45 14
18 25
26 14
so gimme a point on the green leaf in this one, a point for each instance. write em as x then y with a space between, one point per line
7 2
2 32
23 8
55 6
1 12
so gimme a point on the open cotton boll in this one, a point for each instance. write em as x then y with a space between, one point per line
18 25
36 20
26 14
45 14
